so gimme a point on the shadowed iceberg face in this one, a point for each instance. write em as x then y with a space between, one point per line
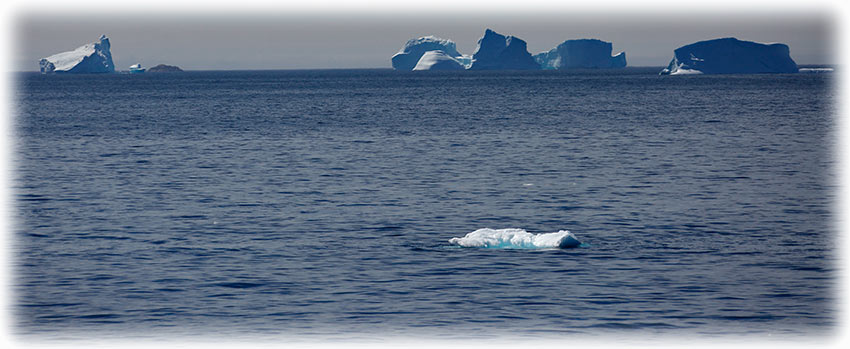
731 56
90 58
516 239
581 53
497 52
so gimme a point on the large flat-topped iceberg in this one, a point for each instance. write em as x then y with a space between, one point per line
89 58
414 49
438 60
731 56
497 52
581 53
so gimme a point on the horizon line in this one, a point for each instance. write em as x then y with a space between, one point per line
831 65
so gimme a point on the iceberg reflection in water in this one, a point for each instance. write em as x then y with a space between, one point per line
516 238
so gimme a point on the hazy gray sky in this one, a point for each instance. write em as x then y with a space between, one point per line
279 40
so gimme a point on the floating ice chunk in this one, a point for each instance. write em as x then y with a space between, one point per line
678 70
516 238
89 58
731 56
414 49
581 53
496 52
816 70
136 69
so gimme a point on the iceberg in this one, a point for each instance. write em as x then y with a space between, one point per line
731 56
496 52
516 239
408 57
89 58
816 70
136 69
581 53
438 60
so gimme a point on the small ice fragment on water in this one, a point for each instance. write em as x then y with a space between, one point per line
516 238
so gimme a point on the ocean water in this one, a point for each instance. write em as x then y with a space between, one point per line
320 204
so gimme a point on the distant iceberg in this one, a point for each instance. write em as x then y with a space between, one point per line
136 69
497 52
89 58
516 239
817 70
581 53
408 57
730 56
438 60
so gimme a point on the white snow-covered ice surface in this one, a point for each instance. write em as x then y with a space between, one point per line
512 238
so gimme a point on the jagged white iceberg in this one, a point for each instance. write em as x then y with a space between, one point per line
731 56
408 57
438 60
89 58
497 52
581 53
516 238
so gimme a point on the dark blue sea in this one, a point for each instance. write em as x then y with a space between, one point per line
319 204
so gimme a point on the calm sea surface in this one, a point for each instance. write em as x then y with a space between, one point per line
320 204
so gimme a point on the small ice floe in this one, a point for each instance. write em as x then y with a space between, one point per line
816 70
516 239
136 69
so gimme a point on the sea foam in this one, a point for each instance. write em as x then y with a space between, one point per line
516 238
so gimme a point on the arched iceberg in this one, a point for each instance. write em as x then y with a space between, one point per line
408 57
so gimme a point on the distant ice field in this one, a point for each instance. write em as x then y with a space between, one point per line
368 204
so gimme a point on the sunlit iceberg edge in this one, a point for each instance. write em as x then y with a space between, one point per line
516 239
816 70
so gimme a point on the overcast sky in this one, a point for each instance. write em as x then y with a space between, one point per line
257 38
